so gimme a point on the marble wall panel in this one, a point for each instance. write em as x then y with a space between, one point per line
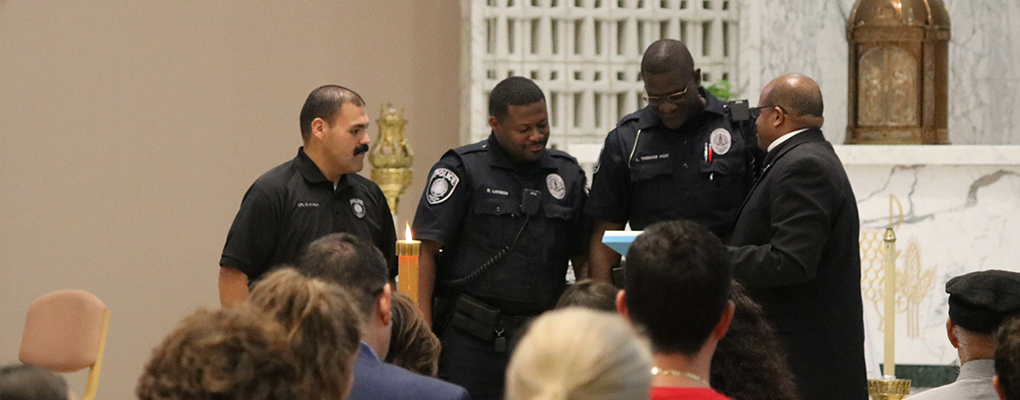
809 36
957 219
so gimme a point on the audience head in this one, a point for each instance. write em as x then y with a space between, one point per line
28 382
978 303
322 324
230 354
671 82
788 103
579 353
1007 360
749 363
359 267
413 346
677 286
519 119
591 294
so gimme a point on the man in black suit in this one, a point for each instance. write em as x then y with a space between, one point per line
795 244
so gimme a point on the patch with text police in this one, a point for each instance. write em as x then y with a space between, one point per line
556 186
358 207
720 141
441 185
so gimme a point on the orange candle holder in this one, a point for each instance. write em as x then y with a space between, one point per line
407 257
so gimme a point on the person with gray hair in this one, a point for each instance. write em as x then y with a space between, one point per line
317 193
978 303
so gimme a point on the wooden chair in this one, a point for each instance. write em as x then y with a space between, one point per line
65 331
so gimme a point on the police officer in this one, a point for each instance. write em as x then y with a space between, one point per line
682 157
508 215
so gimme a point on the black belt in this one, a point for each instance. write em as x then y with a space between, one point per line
485 322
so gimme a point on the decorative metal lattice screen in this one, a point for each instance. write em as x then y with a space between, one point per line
586 55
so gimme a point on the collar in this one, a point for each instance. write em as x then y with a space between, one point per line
368 352
983 369
648 118
313 174
502 160
784 138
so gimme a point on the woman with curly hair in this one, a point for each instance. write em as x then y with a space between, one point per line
323 325
749 362
230 354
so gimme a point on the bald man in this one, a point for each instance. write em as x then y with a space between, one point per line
684 156
794 244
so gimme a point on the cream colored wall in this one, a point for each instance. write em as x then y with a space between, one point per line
129 132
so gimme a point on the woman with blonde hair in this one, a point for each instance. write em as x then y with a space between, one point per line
323 325
579 353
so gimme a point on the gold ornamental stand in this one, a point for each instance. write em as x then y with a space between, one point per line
391 156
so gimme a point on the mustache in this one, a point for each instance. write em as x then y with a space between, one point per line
361 149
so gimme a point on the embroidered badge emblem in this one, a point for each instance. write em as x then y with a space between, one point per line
720 140
556 186
441 185
358 206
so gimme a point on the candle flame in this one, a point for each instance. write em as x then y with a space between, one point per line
407 233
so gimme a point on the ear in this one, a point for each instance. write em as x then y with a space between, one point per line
998 387
780 118
382 305
951 333
697 77
724 322
493 123
621 304
319 127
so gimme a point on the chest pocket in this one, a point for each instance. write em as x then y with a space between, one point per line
496 217
728 178
651 184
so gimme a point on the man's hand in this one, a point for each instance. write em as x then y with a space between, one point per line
602 258
233 286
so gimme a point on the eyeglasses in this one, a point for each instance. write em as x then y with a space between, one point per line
756 111
674 98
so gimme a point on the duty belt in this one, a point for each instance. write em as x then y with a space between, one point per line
485 322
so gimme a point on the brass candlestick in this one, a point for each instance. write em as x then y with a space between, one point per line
391 156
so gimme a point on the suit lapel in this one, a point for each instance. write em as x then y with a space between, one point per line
810 135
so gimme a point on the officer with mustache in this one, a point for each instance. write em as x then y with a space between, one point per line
507 214
317 193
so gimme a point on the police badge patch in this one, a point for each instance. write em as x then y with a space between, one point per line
720 140
358 206
441 185
556 186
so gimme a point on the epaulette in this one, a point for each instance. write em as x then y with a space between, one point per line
561 154
632 117
472 148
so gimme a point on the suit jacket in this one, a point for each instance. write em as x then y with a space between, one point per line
795 247
374 379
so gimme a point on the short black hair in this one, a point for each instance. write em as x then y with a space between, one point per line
1007 358
28 382
677 284
667 55
513 91
350 262
325 102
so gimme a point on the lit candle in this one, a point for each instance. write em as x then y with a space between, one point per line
407 254
890 304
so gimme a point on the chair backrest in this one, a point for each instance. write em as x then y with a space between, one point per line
65 331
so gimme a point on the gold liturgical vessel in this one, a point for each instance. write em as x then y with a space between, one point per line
899 72
391 156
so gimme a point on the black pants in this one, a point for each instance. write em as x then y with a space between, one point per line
473 363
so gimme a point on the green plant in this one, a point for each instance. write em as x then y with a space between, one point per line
723 90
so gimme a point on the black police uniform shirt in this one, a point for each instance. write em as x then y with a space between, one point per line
648 173
292 205
472 206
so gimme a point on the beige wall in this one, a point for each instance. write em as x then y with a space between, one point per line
129 132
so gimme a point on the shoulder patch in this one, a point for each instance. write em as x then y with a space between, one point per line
441 185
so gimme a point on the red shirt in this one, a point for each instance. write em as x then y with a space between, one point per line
685 393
